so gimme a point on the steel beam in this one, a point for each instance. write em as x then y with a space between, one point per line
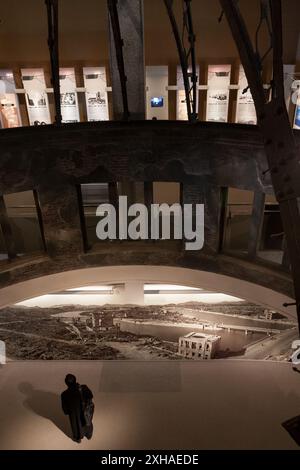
281 151
7 230
148 194
256 223
285 257
40 217
52 15
186 56
126 38
113 194
223 216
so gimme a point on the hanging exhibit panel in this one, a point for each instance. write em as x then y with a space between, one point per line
68 95
245 109
297 115
9 104
157 80
218 82
36 96
181 109
96 93
289 83
296 101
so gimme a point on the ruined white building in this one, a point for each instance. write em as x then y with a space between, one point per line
198 345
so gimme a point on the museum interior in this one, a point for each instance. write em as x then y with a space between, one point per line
178 103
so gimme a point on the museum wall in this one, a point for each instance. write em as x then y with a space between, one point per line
23 40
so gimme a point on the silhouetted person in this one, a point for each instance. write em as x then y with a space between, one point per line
77 402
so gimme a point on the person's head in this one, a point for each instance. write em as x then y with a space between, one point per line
70 380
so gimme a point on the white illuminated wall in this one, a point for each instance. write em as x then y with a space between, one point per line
157 81
169 294
9 104
91 295
218 82
96 93
36 96
68 95
133 292
181 109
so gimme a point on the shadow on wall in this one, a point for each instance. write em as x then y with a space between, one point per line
45 404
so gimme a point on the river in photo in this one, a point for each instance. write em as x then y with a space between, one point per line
234 340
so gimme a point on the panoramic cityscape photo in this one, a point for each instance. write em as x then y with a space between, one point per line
197 325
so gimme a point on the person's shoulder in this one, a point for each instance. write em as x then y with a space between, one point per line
64 393
84 387
85 390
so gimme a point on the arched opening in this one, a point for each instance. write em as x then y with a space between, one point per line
147 274
145 313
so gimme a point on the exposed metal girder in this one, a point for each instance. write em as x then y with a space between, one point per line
52 14
148 194
7 230
127 61
256 223
187 57
282 153
118 43
40 217
285 257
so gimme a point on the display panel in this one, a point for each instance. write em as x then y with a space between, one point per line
157 102
218 93
297 116
9 105
288 74
245 111
157 95
297 109
36 96
181 111
68 95
96 94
